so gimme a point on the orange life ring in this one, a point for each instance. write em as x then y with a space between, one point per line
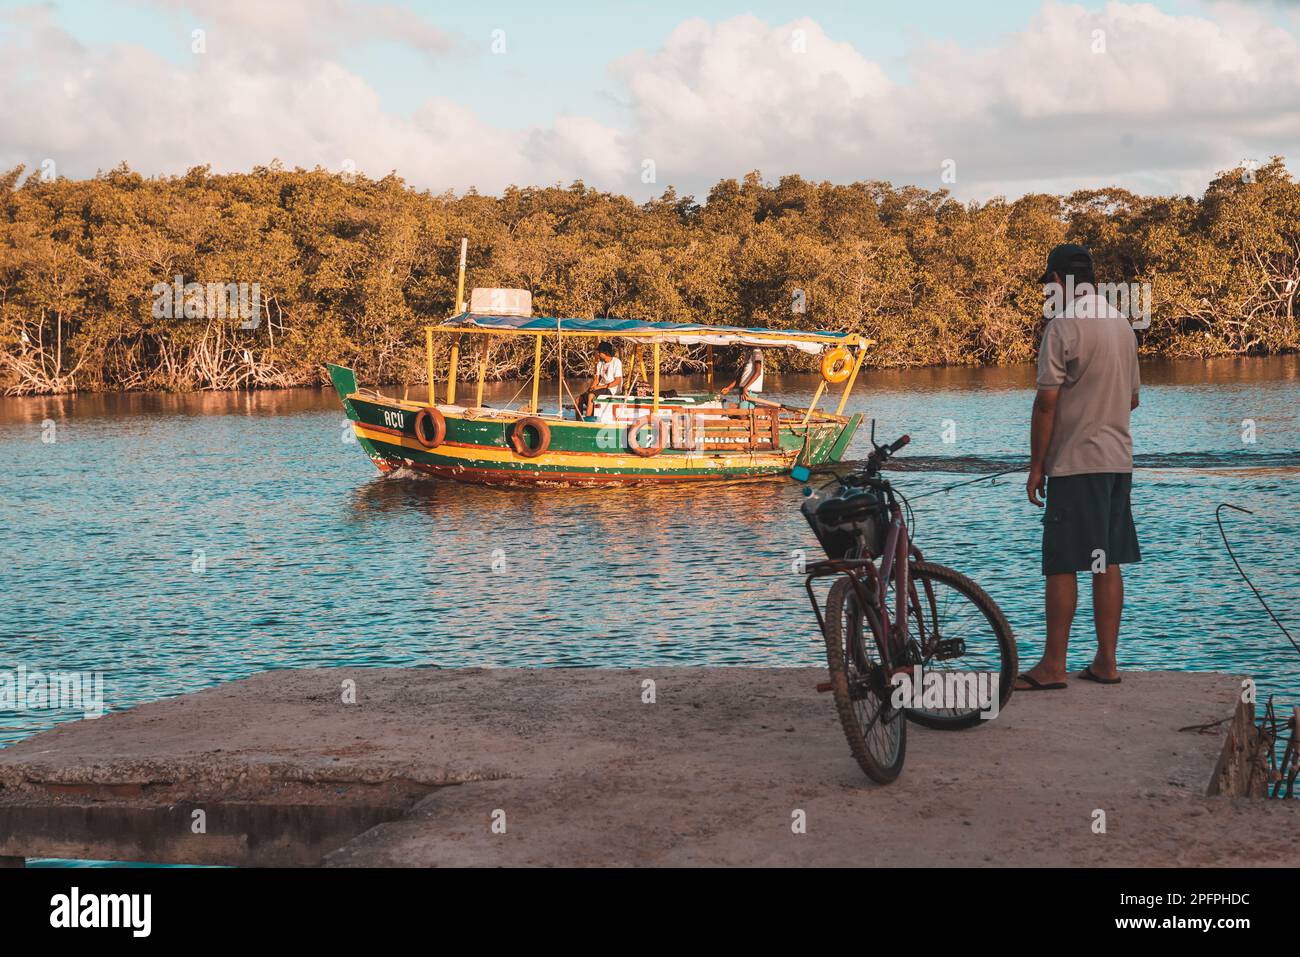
837 365
519 441
430 418
645 451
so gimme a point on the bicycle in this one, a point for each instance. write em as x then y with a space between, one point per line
860 519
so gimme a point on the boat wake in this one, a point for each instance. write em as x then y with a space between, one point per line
976 464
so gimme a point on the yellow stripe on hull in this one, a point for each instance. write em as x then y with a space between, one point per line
610 461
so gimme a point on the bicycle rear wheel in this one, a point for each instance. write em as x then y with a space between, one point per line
963 637
876 731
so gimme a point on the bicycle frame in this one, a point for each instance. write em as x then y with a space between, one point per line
874 591
862 516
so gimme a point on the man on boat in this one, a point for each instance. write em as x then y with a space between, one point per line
749 380
1081 462
607 380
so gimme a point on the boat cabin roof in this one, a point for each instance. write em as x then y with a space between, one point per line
682 333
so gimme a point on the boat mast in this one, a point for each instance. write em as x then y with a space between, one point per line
655 408
848 386
537 372
457 308
482 371
821 387
460 308
460 283
428 362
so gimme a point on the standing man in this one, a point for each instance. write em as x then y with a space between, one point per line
1082 461
750 377
607 380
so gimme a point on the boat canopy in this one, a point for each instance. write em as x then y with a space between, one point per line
682 333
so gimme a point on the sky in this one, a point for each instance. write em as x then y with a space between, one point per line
979 99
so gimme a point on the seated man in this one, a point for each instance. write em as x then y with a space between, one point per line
749 380
607 380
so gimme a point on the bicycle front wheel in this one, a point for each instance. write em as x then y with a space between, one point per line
876 731
961 636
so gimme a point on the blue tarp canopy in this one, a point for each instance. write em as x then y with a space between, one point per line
683 333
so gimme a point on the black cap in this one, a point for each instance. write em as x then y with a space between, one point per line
1065 260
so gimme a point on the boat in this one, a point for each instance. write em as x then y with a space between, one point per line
643 435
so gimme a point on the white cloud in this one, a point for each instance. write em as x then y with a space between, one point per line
740 93
1170 101
268 86
285 32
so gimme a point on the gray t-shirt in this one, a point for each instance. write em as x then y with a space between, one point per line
1089 352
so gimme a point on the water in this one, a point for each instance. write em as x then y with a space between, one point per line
173 542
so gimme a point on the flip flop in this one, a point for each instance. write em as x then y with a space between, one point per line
1036 685
1087 675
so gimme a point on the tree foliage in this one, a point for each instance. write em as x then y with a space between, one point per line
349 269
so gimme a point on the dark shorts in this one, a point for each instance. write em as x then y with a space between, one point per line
1088 522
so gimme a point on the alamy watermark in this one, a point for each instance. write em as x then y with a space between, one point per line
25 690
958 690
75 909
214 300
1132 300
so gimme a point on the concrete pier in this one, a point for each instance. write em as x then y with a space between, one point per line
577 767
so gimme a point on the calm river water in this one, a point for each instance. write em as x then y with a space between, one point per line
173 542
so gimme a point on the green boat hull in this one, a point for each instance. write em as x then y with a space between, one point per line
476 447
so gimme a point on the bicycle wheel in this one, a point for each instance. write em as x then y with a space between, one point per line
958 632
877 732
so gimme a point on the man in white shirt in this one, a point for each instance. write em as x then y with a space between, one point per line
608 379
750 378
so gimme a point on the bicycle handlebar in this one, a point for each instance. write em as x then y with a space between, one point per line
875 460
882 453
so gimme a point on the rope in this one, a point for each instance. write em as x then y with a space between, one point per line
1218 518
982 478
527 383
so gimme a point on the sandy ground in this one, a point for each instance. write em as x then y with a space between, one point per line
583 772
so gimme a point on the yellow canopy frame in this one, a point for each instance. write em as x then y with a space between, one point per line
636 359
